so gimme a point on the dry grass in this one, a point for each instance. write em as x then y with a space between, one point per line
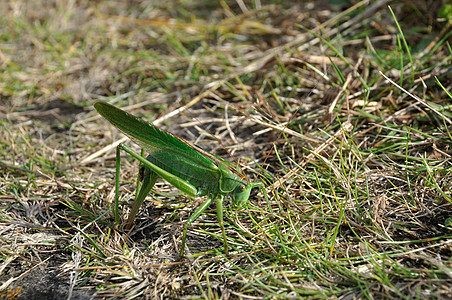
357 170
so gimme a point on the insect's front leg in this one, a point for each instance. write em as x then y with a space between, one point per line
193 217
220 222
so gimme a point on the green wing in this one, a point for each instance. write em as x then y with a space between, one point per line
165 150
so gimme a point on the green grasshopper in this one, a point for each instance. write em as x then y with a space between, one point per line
187 167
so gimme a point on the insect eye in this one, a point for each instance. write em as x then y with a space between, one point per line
242 188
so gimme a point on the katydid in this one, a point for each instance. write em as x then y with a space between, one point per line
187 167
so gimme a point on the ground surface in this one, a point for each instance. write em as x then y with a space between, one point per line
356 168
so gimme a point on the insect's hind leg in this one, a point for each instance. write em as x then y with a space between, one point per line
148 179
